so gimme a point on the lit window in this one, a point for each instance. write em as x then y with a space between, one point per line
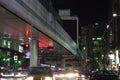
99 38
4 42
93 38
20 48
8 44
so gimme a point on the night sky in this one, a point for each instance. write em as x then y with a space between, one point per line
88 11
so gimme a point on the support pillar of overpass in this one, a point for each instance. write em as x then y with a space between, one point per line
34 53
63 63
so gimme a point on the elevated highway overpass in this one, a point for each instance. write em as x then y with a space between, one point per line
41 19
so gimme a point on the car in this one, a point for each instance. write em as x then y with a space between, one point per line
6 73
39 73
103 75
20 73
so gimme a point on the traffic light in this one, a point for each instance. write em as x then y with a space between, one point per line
25 46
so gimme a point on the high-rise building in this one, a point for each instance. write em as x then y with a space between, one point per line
94 43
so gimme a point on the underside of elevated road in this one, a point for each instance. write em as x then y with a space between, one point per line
34 13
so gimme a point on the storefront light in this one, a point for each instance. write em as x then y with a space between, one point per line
111 56
117 57
8 44
4 42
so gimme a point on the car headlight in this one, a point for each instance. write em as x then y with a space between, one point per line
6 75
83 76
20 75
2 74
48 78
70 75
29 78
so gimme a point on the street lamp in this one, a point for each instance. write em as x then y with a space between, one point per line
114 14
